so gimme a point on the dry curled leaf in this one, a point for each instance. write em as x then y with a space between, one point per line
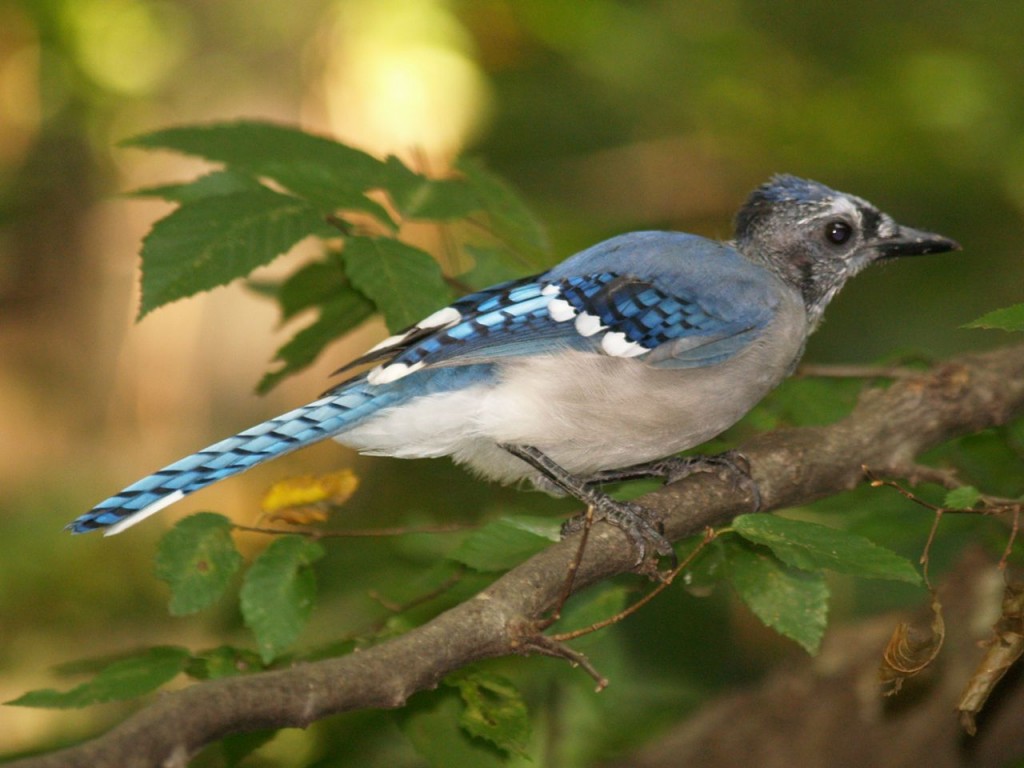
1004 648
302 500
910 650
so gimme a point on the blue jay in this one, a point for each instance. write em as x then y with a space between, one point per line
632 350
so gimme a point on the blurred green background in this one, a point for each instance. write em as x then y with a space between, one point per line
609 115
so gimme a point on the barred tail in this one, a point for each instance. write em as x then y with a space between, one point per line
311 423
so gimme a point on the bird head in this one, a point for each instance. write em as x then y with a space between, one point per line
816 238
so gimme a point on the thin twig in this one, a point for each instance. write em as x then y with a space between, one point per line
991 505
877 482
549 646
570 576
709 535
1012 538
419 600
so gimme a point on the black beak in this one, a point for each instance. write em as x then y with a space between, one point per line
915 242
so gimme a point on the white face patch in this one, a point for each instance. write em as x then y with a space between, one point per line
844 207
887 227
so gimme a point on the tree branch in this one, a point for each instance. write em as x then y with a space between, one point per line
887 430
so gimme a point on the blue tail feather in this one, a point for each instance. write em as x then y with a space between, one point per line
323 418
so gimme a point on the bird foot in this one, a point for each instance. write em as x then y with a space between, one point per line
642 526
731 467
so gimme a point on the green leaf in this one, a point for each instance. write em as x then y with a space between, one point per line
510 218
432 724
417 197
814 547
278 593
213 240
1005 319
313 285
197 558
964 497
322 285
792 602
124 679
404 282
345 310
332 175
505 543
494 710
210 185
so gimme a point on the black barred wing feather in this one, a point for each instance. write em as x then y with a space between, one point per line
614 314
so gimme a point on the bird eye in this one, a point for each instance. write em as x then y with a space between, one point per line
838 232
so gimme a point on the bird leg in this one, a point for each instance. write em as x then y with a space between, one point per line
731 466
640 524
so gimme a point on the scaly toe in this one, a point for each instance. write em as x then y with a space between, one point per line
640 525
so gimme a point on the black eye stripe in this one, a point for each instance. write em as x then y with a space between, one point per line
871 223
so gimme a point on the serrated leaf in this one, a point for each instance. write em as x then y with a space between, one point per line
792 602
510 217
124 679
964 497
1005 319
494 710
404 282
278 593
197 558
343 312
210 185
813 547
330 174
211 241
505 543
432 726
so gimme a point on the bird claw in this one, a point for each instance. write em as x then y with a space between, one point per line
732 467
644 530
641 525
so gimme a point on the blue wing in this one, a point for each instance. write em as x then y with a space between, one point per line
675 300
